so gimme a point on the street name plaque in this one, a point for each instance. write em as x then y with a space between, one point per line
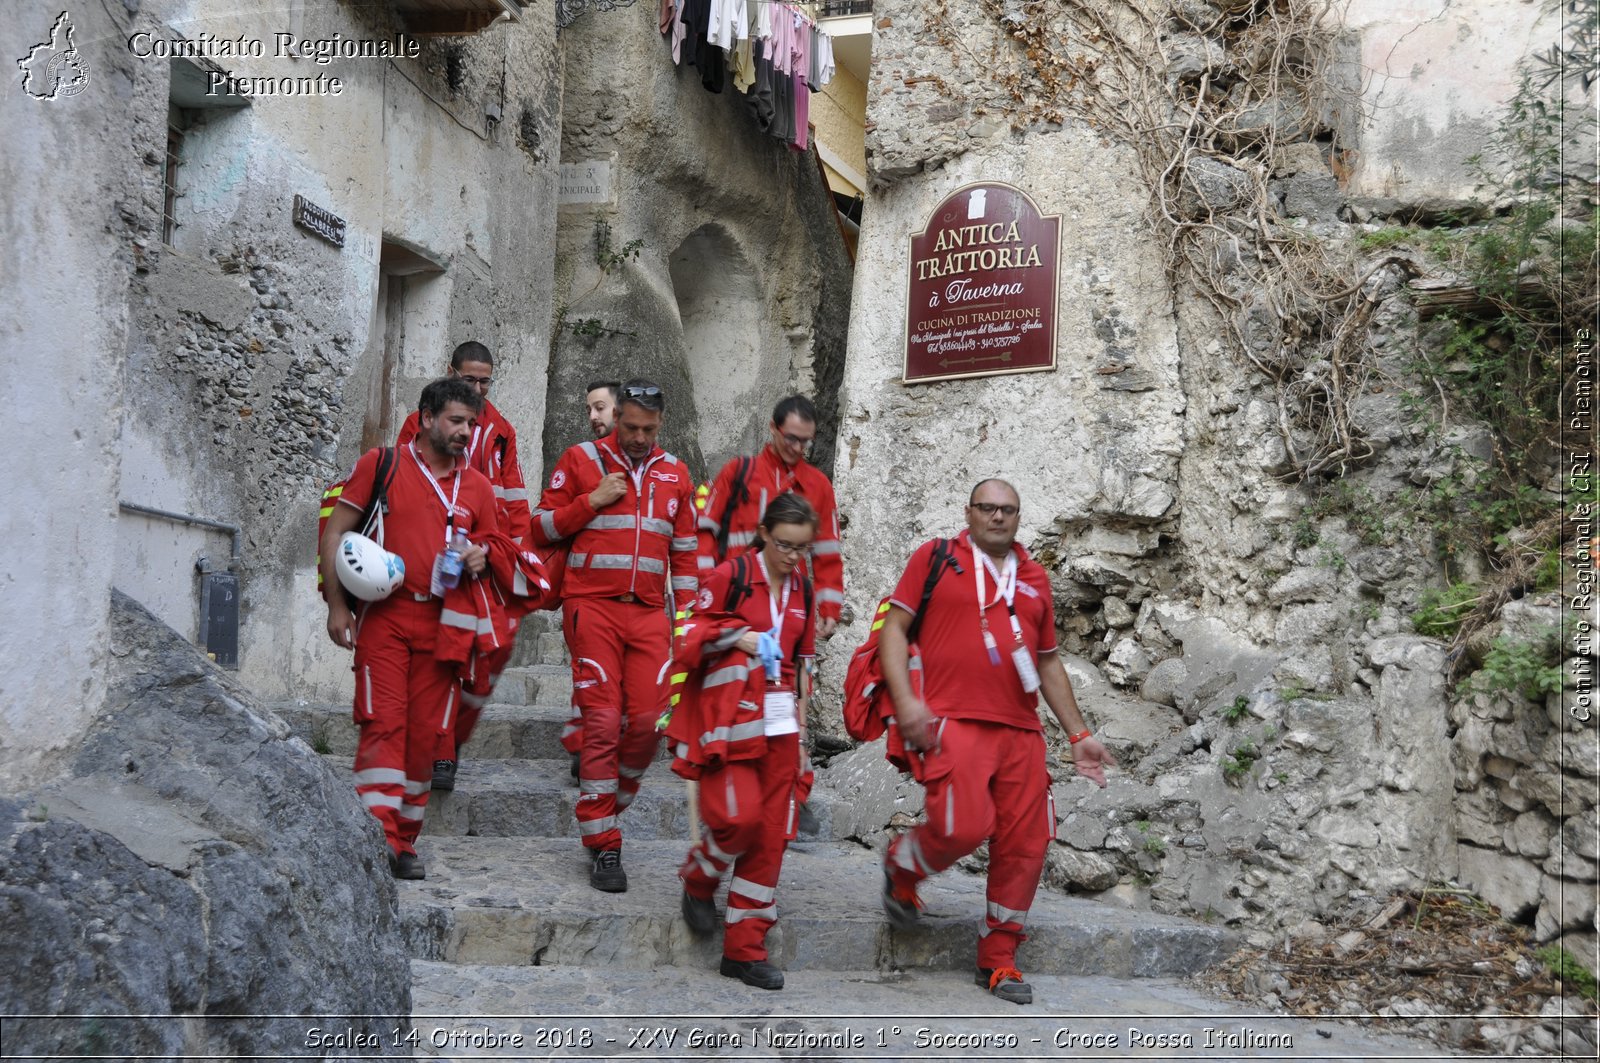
982 293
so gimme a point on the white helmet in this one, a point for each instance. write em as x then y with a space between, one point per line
366 569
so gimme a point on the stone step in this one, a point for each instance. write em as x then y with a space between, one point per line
845 1015
503 731
536 798
528 901
535 684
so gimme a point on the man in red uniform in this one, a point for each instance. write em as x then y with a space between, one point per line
404 696
600 404
988 643
733 509
492 450
626 508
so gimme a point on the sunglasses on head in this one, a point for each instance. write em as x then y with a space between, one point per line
646 395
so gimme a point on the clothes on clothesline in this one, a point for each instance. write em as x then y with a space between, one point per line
775 53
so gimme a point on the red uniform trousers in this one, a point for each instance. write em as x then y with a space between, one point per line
619 656
749 807
475 694
985 782
404 699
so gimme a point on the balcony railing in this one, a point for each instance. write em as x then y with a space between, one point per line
845 8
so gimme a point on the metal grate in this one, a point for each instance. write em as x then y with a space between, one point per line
169 184
841 8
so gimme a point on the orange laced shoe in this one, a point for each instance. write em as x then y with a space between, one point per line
1005 983
900 903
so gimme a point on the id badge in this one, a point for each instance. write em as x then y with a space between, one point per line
436 579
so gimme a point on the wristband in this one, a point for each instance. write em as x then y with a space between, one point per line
1079 737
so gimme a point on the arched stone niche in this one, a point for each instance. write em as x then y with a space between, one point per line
734 366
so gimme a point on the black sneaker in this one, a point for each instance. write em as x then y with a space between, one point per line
758 973
407 866
700 914
902 906
1005 983
607 875
444 775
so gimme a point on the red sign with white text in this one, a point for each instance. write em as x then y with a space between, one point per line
984 276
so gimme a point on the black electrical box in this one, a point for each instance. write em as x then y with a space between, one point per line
219 617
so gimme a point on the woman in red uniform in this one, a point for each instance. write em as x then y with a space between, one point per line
738 723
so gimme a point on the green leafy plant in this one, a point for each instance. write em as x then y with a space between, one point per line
1440 611
1238 710
1389 236
1238 763
1565 966
1531 668
1153 843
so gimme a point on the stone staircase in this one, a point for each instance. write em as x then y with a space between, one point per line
508 939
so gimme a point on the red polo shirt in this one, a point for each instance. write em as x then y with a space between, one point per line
414 527
958 678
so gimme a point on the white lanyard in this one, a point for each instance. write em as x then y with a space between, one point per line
1005 587
449 504
777 609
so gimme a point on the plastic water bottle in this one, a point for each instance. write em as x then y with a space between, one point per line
451 564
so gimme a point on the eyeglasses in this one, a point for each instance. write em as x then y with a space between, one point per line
476 381
989 509
796 441
789 549
648 395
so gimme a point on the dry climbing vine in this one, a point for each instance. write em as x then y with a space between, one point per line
1209 96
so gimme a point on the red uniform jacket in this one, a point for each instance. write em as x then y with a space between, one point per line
718 694
768 478
630 546
480 615
493 452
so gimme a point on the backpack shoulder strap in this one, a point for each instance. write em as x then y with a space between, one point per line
739 586
738 492
943 557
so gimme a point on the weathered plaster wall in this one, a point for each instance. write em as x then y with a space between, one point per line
839 114
261 356
740 290
1434 76
62 333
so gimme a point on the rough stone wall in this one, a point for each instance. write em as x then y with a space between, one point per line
1243 645
256 357
740 289
198 860
61 335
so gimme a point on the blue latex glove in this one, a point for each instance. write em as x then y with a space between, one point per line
771 653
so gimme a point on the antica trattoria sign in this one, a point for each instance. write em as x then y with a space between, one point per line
984 274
